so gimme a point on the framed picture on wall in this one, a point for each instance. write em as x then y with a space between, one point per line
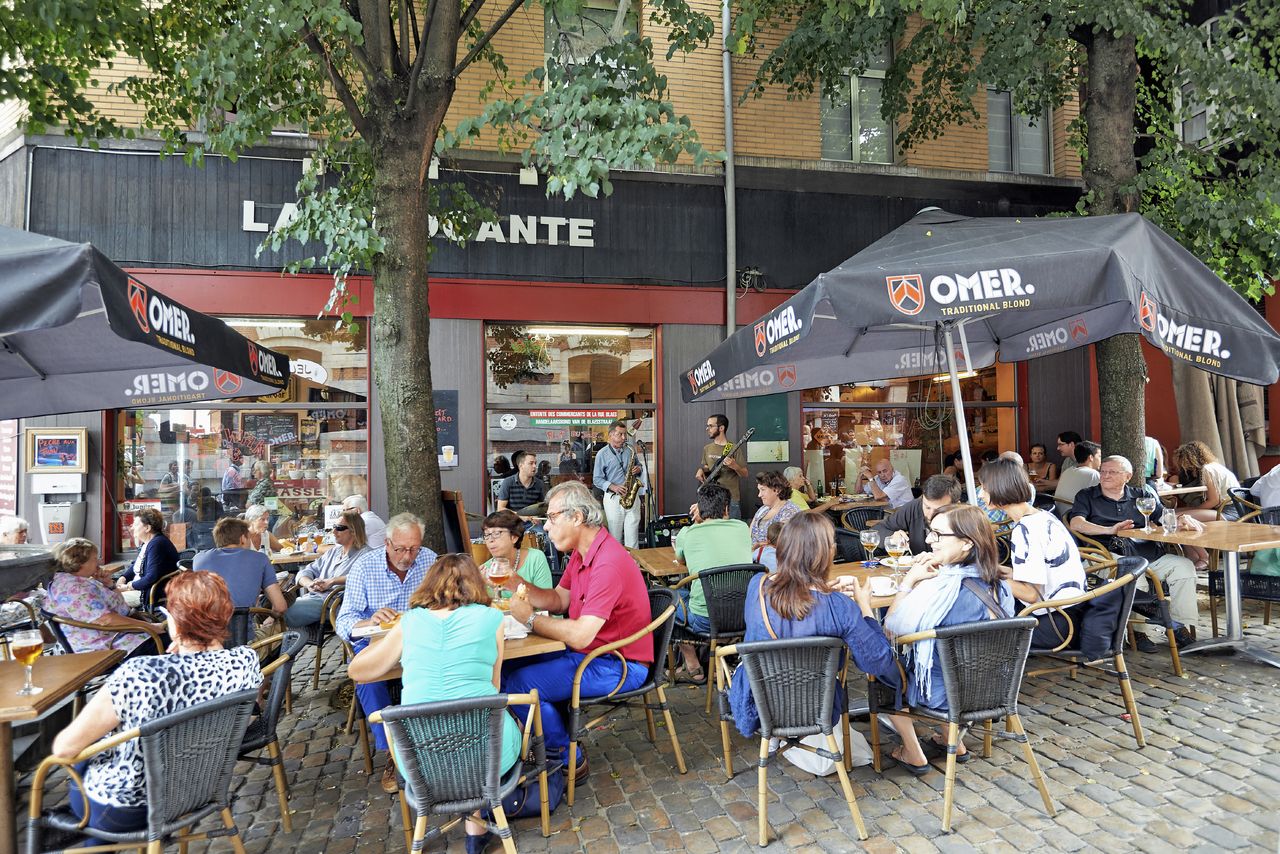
57 449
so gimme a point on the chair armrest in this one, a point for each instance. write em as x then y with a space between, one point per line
613 648
20 598
118 630
275 665
49 763
684 582
907 640
262 643
1061 609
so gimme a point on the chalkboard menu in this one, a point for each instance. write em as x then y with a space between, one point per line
271 428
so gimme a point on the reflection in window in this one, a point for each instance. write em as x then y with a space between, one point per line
578 35
1016 142
852 126
568 364
329 363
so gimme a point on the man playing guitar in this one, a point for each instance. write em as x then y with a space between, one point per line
731 472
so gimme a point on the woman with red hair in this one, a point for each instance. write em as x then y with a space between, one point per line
197 669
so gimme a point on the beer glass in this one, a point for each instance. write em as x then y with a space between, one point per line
27 647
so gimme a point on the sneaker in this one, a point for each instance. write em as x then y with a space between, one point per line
1144 643
390 784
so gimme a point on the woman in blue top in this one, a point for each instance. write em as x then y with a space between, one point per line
933 594
798 601
449 646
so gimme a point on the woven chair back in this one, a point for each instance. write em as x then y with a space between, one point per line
51 623
725 591
451 750
849 547
291 644
856 519
660 599
793 681
1137 567
982 666
189 757
1242 500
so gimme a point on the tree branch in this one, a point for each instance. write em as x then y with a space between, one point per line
376 17
488 36
340 86
470 15
416 71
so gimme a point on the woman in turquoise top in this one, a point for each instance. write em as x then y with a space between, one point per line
503 532
449 647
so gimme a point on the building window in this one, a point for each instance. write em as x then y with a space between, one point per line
1016 142
852 126
295 451
909 421
577 35
1195 121
553 390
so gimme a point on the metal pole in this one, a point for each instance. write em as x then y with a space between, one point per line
730 182
961 426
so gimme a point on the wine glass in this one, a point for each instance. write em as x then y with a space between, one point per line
499 571
26 647
897 549
870 542
1146 506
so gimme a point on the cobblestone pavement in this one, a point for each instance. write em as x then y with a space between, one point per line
1208 779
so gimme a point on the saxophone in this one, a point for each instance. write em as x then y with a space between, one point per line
630 486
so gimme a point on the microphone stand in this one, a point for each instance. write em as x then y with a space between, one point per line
649 499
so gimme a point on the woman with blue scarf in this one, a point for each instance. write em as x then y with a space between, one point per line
935 593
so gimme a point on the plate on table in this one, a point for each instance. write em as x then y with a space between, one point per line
373 631
904 562
860 496
287 552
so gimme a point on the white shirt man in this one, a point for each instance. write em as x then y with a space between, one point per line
375 530
1081 476
888 484
1266 489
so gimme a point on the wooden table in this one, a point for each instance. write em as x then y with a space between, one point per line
282 559
835 505
60 676
1180 490
660 563
516 648
1231 539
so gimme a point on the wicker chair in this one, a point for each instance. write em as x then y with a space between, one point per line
662 607
1242 501
188 759
156 595
355 714
849 547
1128 570
725 591
982 667
858 519
450 753
1153 599
1261 588
793 682
55 623
245 623
262 732
319 633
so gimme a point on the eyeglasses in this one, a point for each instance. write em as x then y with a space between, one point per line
1113 473
555 514
491 536
405 550
935 534
341 528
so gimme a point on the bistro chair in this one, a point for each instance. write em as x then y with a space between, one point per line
245 623
662 607
355 714
1242 501
450 754
858 519
53 627
849 547
1152 605
156 595
982 667
1128 570
1259 587
319 633
725 591
262 732
188 759
793 682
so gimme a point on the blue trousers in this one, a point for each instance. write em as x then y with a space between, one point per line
104 816
687 618
374 697
552 676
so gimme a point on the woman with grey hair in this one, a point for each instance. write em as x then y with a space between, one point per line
13 530
802 493
259 517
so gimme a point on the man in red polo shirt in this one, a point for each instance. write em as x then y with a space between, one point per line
605 600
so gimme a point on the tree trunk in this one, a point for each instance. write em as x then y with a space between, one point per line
1110 166
401 334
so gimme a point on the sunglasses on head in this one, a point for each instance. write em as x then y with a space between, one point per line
341 528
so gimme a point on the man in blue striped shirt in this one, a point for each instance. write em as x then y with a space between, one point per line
610 476
378 589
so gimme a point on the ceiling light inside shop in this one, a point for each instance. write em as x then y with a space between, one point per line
263 322
579 330
963 375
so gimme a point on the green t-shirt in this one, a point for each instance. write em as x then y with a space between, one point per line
708 544
534 570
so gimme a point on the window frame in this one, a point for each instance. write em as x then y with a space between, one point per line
852 91
1014 129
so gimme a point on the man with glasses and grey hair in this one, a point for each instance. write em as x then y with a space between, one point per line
604 599
379 585
1111 506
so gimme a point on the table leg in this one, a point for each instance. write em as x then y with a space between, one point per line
8 820
1233 641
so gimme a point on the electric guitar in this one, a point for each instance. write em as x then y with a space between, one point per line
729 450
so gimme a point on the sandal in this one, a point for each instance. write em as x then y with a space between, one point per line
691 677
916 770
935 749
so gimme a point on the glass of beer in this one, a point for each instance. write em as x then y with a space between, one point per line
26 647
499 572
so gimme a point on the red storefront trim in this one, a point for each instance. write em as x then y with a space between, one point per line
265 293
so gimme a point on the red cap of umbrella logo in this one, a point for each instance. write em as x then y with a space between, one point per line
138 304
786 375
906 293
1147 312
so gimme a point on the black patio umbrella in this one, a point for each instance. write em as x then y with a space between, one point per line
956 293
78 334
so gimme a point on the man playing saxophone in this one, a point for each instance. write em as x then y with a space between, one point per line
618 471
